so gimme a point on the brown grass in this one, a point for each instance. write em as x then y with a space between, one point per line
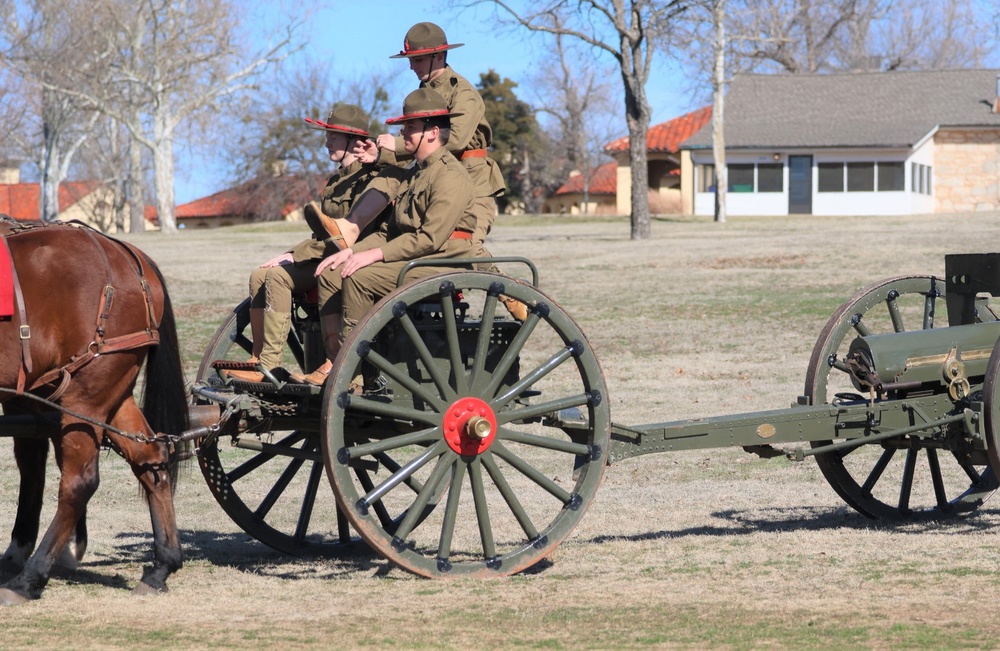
689 550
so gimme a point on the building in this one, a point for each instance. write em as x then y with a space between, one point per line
597 197
663 152
853 144
265 199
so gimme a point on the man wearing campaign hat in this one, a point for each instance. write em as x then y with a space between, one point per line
293 272
432 218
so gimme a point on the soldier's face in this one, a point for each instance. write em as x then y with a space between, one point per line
412 132
422 66
336 145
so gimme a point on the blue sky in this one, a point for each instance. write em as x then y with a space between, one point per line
358 37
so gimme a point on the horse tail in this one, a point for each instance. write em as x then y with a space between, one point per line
165 399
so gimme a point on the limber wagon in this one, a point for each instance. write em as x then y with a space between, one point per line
478 442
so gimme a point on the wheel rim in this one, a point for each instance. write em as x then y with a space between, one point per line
449 397
899 478
275 494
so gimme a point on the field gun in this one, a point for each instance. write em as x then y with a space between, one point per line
479 441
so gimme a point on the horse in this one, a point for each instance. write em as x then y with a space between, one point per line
90 311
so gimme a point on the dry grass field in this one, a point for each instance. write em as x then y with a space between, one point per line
708 549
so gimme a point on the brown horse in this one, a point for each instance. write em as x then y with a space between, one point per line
93 311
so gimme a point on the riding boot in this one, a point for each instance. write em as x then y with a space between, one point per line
274 328
256 332
331 325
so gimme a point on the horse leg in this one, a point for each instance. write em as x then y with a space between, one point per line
150 463
77 455
31 455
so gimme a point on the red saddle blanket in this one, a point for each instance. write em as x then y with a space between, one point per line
6 283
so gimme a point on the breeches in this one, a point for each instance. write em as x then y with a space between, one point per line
271 288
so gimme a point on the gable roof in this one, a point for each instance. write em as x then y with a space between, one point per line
21 200
603 180
879 109
288 193
667 137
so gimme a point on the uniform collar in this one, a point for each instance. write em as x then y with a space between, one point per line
435 155
446 74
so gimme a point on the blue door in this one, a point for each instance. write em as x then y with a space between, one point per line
800 185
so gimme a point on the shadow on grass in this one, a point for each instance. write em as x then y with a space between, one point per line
778 519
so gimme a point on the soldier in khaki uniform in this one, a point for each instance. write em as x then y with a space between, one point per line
433 201
274 282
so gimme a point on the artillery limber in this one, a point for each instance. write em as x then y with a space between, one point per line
478 442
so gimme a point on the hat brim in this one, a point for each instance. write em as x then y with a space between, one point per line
425 51
338 128
422 115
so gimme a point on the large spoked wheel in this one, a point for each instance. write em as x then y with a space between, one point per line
991 407
889 479
269 478
510 420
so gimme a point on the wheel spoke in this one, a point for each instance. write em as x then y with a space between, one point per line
365 479
390 410
404 472
510 497
258 460
531 473
894 315
413 514
546 442
970 470
906 486
417 389
451 336
279 487
393 443
543 408
483 340
510 355
390 464
877 470
482 510
308 501
534 376
936 479
445 389
450 513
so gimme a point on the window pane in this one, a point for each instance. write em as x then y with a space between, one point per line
831 177
927 174
860 177
706 178
914 178
769 177
741 178
890 177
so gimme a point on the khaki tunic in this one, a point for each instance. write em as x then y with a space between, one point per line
432 199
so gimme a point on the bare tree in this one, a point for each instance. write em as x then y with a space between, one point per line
44 42
719 47
175 60
577 99
627 31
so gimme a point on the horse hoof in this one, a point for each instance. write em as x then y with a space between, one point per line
144 589
11 598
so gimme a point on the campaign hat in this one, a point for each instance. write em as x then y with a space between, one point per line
344 118
422 39
421 104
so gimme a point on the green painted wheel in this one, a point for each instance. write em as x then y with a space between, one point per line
507 421
887 479
991 407
269 479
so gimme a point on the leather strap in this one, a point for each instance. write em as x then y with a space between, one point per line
473 153
460 235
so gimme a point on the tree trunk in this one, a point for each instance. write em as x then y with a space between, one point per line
136 200
637 129
718 99
163 173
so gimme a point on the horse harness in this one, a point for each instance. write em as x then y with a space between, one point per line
100 345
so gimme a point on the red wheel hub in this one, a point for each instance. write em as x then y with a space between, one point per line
469 426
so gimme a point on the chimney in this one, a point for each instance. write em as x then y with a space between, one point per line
10 174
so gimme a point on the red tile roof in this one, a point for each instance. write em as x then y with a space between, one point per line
603 180
245 198
20 200
668 136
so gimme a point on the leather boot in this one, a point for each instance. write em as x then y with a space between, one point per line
517 309
323 225
331 326
276 326
256 332
245 376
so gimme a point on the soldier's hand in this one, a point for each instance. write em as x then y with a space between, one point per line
361 260
386 141
365 150
333 261
284 258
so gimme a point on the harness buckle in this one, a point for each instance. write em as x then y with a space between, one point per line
25 332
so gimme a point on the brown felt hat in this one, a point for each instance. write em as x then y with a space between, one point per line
344 118
424 38
421 104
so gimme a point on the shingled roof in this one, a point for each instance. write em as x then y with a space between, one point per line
667 137
20 200
603 180
888 109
